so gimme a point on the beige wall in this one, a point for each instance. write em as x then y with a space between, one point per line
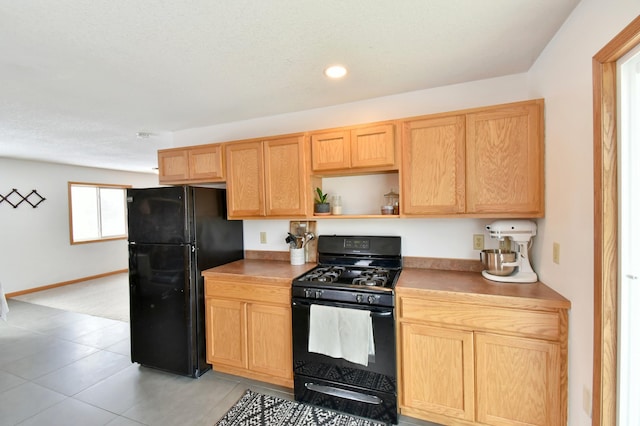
34 242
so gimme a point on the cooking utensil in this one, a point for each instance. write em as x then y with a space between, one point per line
308 237
291 240
299 241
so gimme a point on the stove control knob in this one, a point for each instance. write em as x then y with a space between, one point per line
308 293
371 300
318 294
359 298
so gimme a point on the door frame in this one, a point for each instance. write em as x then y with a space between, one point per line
605 159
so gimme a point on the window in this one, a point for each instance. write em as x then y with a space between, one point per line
97 212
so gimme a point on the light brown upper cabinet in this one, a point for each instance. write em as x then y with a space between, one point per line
479 162
245 179
485 162
371 148
266 178
505 165
433 165
193 164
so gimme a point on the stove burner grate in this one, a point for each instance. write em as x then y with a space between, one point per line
375 277
357 276
324 274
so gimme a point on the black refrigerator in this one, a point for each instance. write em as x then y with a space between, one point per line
174 234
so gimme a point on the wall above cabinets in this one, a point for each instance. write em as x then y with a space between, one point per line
481 162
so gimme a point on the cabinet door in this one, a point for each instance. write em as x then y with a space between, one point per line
245 179
517 381
225 332
205 164
433 166
505 160
285 177
173 165
269 340
437 370
373 147
331 151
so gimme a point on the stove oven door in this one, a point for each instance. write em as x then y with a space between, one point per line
335 383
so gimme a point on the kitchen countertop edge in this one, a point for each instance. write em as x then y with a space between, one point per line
462 286
472 287
259 270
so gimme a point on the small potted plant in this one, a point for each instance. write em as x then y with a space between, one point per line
321 206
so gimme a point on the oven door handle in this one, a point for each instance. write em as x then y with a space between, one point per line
344 393
373 313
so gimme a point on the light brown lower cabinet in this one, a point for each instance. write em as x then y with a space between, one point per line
517 380
465 364
248 330
442 385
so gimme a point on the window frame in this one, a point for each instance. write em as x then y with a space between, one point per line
97 186
606 261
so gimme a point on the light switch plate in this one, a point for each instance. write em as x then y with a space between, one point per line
586 400
556 253
263 237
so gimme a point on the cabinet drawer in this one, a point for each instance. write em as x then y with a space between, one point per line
280 295
529 323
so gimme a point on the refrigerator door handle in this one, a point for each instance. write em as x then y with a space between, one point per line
189 260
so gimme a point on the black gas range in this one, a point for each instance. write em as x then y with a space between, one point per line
351 269
354 273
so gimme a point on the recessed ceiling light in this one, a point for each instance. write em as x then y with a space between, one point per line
335 71
143 135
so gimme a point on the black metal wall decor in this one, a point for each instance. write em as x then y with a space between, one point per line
32 198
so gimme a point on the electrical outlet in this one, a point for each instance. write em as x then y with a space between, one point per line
556 253
263 237
478 241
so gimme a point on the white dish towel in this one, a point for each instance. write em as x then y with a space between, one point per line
4 308
341 333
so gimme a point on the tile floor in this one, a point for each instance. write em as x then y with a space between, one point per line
65 368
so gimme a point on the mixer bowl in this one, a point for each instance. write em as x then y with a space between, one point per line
494 260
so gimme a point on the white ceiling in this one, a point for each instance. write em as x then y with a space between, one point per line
79 79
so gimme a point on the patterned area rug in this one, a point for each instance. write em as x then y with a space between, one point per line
256 409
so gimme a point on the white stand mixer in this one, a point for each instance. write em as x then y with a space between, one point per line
520 232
